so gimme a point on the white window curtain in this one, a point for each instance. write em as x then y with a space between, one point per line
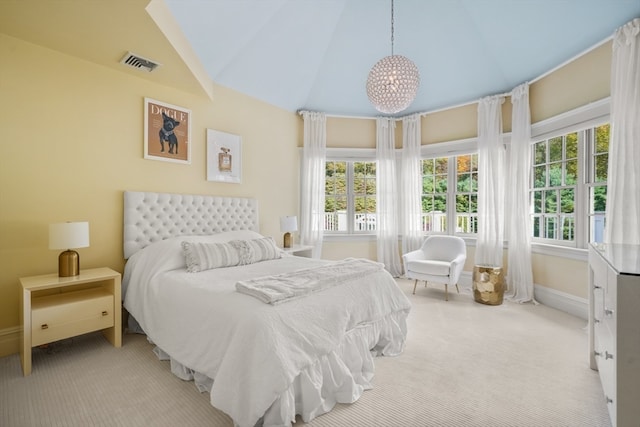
623 182
387 200
491 177
312 181
411 207
520 277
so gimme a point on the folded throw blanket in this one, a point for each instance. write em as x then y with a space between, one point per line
287 286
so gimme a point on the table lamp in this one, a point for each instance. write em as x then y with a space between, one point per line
69 235
287 225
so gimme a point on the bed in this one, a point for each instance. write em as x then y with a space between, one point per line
193 263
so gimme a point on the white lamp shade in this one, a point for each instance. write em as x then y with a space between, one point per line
69 235
289 223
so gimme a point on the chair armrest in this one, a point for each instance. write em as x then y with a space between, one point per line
413 255
457 264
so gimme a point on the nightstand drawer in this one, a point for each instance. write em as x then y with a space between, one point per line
68 314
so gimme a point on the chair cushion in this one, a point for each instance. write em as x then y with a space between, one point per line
435 268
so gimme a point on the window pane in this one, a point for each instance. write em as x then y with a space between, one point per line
555 149
601 167
550 224
441 184
537 201
464 164
596 226
568 228
536 227
427 166
462 203
571 173
441 165
440 203
567 200
572 146
358 185
427 184
550 201
555 175
370 186
602 139
598 199
540 153
539 176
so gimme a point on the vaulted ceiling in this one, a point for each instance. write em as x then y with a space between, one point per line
316 54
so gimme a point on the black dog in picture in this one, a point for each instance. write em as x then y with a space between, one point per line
167 134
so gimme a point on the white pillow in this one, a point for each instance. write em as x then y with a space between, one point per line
264 249
206 256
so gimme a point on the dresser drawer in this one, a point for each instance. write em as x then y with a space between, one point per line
64 315
600 271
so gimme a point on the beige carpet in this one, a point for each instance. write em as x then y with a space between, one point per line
465 364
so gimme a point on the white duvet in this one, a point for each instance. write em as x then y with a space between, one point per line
268 362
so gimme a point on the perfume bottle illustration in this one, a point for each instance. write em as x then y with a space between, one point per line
224 160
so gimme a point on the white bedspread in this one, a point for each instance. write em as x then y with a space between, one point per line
258 353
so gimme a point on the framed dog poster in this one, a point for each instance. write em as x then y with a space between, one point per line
167 132
224 157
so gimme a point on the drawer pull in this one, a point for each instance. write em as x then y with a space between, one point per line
608 399
607 355
596 320
597 287
44 326
597 353
608 312
104 313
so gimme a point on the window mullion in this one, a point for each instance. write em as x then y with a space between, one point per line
451 195
580 211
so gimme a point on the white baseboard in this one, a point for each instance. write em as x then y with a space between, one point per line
568 303
562 301
10 340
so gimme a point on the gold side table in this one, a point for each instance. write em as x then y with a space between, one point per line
488 284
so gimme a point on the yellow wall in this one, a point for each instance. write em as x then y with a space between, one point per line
73 142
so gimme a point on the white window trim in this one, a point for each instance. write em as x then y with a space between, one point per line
590 115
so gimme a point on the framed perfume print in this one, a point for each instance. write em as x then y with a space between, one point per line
224 157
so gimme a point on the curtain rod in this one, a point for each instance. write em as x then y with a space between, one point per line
475 101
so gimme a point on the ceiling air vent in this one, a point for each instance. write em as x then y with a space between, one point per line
138 62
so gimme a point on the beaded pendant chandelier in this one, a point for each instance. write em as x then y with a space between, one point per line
393 81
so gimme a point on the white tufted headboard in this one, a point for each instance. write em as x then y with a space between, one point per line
151 217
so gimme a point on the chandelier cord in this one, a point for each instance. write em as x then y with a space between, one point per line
391 27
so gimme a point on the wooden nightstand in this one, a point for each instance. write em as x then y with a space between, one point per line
55 308
299 250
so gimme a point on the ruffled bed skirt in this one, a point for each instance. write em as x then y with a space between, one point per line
337 377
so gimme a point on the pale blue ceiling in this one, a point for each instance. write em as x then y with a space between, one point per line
316 54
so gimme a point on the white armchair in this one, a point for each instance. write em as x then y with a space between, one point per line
440 259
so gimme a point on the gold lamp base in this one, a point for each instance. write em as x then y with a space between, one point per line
68 264
288 240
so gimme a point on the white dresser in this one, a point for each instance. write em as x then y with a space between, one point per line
614 328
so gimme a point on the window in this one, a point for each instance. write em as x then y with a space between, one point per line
450 194
350 197
561 199
555 175
598 167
